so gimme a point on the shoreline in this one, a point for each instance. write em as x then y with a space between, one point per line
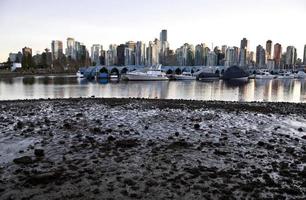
29 74
111 148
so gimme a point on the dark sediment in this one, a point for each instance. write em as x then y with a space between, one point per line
151 149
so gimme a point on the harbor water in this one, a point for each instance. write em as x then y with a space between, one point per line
275 90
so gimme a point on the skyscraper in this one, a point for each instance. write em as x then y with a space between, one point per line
260 56
57 49
128 56
71 50
269 49
199 58
96 53
231 56
121 54
277 55
164 46
212 59
140 53
244 49
304 57
26 57
291 56
153 53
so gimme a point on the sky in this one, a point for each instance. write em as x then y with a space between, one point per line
35 23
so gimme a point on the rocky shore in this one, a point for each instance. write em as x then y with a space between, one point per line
151 149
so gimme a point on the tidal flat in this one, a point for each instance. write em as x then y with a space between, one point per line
151 149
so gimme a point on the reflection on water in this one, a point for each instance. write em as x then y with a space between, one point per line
69 86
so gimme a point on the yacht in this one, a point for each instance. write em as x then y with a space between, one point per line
80 74
184 76
300 75
264 75
153 74
286 75
235 73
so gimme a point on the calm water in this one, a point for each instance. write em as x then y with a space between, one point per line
68 86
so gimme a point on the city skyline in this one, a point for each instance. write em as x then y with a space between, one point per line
213 22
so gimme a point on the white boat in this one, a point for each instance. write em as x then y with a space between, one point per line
300 75
264 75
184 76
79 74
149 75
287 75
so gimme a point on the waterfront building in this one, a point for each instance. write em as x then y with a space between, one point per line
212 59
96 53
277 55
185 55
304 57
111 57
260 57
15 57
269 49
26 57
71 49
291 56
57 49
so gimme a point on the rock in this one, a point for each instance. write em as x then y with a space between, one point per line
290 150
129 182
23 160
196 126
111 138
128 143
67 126
39 152
19 125
304 137
260 143
146 127
300 129
177 134
45 178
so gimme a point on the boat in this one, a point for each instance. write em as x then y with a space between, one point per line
286 75
235 73
152 74
80 74
184 76
206 76
300 75
264 75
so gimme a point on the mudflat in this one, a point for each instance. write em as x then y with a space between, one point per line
151 149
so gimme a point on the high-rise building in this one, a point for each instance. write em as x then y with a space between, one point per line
26 57
71 50
57 49
270 64
140 53
269 49
153 53
200 55
212 59
231 56
223 49
244 50
128 56
245 44
185 55
121 54
277 55
164 46
96 53
15 57
260 56
304 57
291 56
